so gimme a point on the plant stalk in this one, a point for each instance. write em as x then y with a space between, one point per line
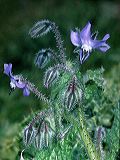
90 147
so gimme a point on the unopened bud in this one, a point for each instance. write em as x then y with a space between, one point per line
72 95
51 76
29 134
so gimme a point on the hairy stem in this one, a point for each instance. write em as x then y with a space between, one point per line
34 90
90 147
65 68
59 42
54 56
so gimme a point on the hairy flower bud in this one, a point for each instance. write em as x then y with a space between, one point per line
44 136
29 134
40 28
51 76
42 58
72 95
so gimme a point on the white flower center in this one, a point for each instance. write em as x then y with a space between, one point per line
12 85
86 48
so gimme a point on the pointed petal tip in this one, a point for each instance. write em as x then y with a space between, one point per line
7 65
8 69
85 33
75 39
88 23
26 92
106 37
104 49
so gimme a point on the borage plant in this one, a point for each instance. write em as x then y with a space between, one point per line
74 125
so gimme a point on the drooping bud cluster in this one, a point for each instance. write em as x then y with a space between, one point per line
41 28
44 136
73 94
40 132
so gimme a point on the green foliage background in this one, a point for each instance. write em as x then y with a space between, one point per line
16 18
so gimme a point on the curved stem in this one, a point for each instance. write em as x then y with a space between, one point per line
36 92
59 42
89 146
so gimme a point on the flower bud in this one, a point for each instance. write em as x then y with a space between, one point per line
51 76
42 58
29 134
40 28
44 136
72 95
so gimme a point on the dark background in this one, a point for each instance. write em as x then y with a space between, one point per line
16 46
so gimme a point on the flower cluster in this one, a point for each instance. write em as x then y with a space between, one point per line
71 96
87 42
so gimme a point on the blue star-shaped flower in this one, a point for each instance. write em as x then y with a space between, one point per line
15 80
87 42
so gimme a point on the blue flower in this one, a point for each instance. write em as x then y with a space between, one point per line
15 81
86 42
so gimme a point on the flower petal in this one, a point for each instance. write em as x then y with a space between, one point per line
8 69
20 84
18 81
106 37
104 48
100 45
26 91
75 39
85 34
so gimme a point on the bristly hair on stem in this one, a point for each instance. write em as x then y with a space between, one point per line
35 91
59 42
